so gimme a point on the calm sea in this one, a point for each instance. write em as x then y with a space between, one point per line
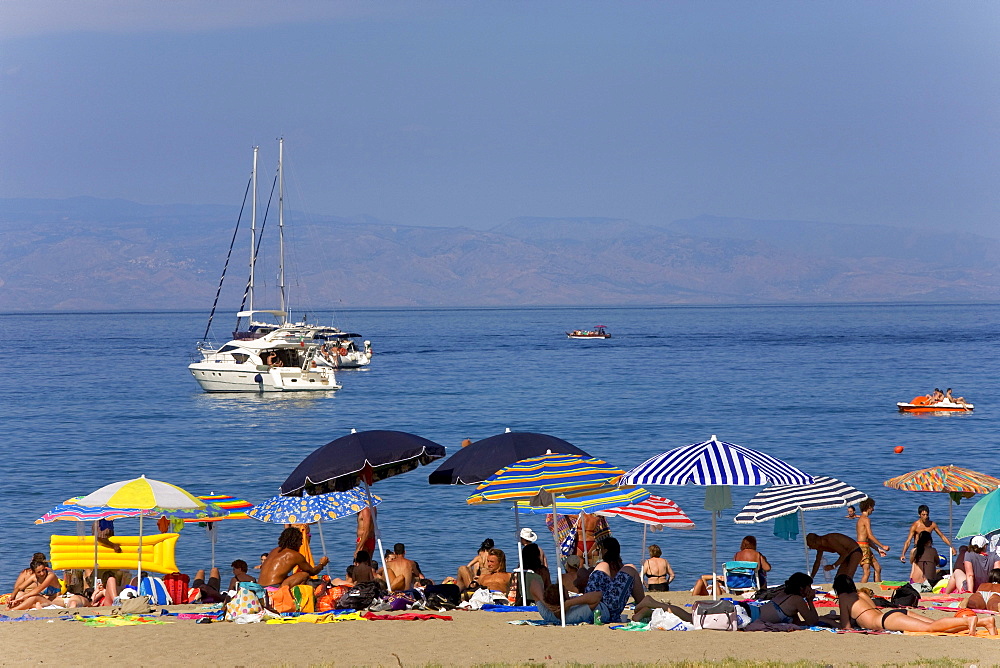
90 399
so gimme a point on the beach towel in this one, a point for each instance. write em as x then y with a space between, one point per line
305 598
980 633
405 617
786 527
318 618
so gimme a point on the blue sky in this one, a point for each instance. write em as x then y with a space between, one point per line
473 113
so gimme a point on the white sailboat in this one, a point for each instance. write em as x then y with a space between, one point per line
274 356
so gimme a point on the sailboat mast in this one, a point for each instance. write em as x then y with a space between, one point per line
281 230
253 229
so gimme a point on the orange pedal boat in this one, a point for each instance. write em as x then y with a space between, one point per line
923 404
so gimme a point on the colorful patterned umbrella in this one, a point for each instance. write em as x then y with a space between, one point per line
71 511
554 473
551 474
945 479
316 508
235 508
589 502
309 509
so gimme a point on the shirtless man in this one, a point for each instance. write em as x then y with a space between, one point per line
277 568
847 549
363 571
366 531
924 523
865 539
402 571
495 577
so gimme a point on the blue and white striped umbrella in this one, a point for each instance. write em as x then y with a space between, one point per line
711 464
714 462
780 500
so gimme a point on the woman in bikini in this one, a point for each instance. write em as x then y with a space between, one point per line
467 574
45 592
857 607
657 571
987 596
794 605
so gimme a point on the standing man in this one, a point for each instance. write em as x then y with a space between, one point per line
923 523
103 531
847 550
865 539
366 531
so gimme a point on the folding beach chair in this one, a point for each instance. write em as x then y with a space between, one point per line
740 576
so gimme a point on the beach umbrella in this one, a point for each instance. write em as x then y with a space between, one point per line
716 465
73 512
477 461
983 518
234 509
656 511
780 500
309 509
952 479
142 493
545 477
367 456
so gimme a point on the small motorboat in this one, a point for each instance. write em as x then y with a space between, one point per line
597 333
923 404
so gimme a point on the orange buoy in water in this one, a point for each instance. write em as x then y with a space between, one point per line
466 443
898 449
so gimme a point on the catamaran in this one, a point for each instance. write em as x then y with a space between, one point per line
272 354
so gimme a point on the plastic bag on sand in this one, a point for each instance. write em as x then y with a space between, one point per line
664 620
480 598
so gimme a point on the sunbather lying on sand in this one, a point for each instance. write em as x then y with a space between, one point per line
857 607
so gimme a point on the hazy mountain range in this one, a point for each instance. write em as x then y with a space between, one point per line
92 254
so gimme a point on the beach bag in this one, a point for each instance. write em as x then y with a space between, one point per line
135 605
244 603
282 600
360 596
906 597
177 587
331 597
715 615
446 596
156 590
305 598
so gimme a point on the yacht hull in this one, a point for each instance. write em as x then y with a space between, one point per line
216 378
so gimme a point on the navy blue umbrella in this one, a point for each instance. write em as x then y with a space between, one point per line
361 457
475 463
366 456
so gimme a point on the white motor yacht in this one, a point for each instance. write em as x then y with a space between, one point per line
278 356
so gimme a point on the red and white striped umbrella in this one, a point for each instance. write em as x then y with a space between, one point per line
654 510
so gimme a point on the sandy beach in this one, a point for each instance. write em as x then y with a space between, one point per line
469 638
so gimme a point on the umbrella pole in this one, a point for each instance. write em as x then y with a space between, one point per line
96 525
139 560
210 527
951 534
555 535
642 557
378 536
520 560
715 582
321 541
579 528
805 544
